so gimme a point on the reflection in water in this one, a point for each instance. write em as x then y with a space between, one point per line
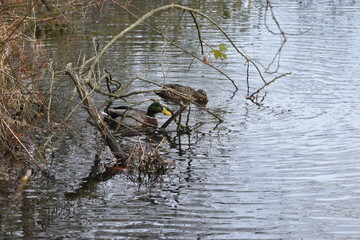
96 176
285 168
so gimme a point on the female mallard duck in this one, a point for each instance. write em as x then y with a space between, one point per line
130 117
178 93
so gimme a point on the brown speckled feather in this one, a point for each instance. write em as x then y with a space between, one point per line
177 93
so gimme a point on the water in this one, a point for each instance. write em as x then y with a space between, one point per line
285 169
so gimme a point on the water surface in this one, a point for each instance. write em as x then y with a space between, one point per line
284 169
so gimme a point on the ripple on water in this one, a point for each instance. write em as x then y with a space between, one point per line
285 169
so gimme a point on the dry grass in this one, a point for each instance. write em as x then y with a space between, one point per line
21 64
145 165
23 67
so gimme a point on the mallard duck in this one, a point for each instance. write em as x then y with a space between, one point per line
177 93
131 117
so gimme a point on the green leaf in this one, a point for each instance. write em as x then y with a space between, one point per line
222 47
219 53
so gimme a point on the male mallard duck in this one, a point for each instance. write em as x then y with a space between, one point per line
178 93
131 117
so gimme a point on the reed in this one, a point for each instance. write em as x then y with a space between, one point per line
21 61
24 68
145 166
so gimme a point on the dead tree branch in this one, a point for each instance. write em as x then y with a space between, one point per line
172 6
94 114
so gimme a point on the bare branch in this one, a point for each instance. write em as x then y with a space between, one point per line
198 31
93 112
178 46
268 83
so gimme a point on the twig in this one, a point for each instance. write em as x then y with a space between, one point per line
115 95
184 96
135 93
188 117
19 24
179 112
198 31
162 59
51 90
149 14
268 83
96 49
22 145
247 78
94 114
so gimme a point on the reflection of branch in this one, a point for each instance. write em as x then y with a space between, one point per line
96 58
181 48
269 5
96 176
281 32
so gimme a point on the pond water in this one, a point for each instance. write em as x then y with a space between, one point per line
287 168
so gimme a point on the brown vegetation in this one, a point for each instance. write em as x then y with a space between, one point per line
23 66
21 63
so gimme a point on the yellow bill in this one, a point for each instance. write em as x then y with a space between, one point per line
166 112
